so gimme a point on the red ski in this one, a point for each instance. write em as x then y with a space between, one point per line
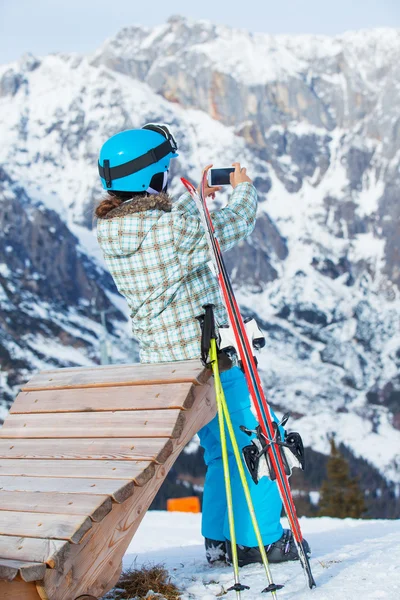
269 431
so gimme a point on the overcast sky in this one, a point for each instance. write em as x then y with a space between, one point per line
43 26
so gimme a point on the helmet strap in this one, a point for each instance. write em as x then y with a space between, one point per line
137 164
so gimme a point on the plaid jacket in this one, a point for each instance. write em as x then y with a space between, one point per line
158 256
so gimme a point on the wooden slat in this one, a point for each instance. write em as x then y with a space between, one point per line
48 526
153 449
140 397
118 489
141 472
51 552
19 590
120 375
152 423
28 571
179 366
96 507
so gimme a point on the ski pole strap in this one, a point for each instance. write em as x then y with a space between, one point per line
207 322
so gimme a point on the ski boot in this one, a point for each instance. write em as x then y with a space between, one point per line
282 550
215 551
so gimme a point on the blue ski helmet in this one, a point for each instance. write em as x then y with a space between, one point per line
129 159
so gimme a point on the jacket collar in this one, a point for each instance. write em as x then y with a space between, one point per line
141 204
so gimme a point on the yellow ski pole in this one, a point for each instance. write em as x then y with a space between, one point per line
209 349
219 392
237 587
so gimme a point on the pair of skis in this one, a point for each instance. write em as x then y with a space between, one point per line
250 370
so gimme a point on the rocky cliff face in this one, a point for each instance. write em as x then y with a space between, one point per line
316 121
342 90
51 293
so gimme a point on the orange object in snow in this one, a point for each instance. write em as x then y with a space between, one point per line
188 504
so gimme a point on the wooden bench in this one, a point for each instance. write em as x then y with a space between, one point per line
83 452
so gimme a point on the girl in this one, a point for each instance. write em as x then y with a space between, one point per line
157 254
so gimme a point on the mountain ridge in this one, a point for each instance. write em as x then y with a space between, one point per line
321 268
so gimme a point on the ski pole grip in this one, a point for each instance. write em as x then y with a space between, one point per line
208 332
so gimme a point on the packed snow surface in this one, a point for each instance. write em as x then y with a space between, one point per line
350 559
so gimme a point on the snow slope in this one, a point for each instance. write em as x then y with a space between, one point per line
351 559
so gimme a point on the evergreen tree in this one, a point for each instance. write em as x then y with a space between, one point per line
341 495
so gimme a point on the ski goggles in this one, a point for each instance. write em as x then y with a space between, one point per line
165 131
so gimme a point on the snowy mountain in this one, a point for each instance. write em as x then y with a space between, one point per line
348 556
316 121
51 293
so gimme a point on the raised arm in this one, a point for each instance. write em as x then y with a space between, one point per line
233 223
186 204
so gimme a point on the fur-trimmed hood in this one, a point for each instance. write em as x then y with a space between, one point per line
141 204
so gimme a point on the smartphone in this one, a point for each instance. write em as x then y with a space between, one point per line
219 176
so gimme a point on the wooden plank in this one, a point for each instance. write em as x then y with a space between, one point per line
118 489
28 571
129 449
139 471
18 590
140 397
95 507
48 526
52 552
143 423
120 375
182 366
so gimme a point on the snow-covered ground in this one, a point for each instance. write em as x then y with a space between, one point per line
351 559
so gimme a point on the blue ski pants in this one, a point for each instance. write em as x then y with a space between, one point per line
265 495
